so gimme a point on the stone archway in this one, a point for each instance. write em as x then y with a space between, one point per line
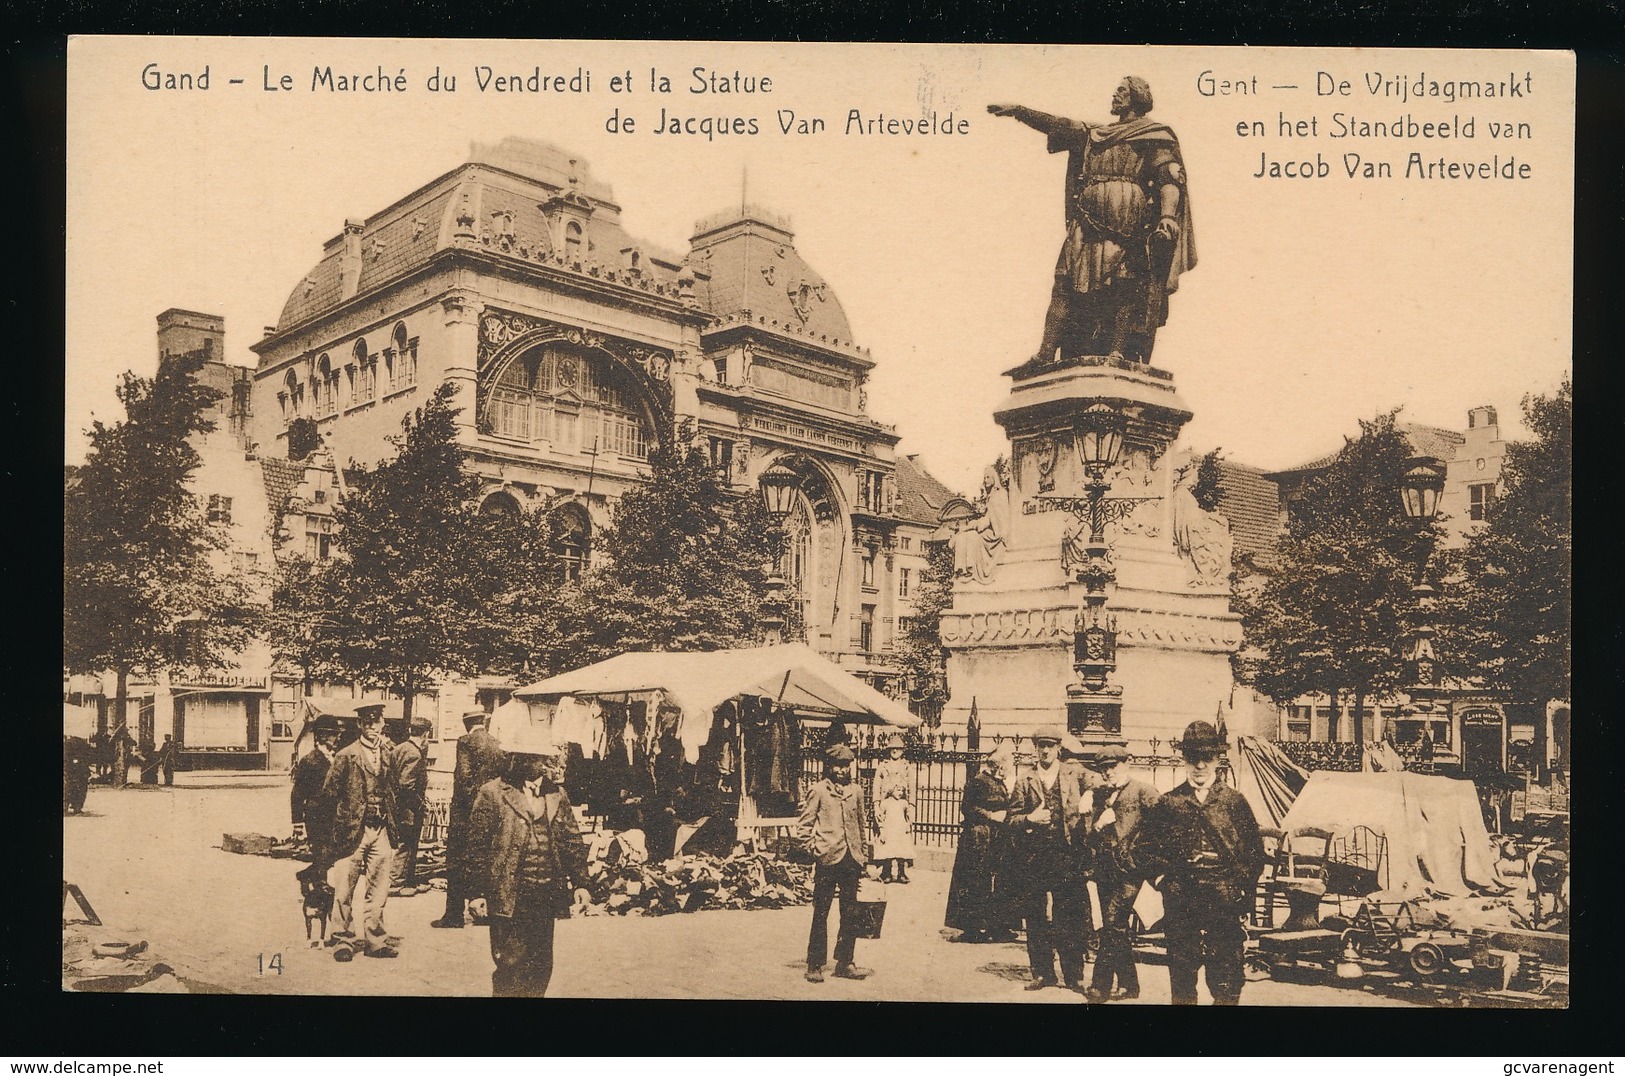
634 381
815 552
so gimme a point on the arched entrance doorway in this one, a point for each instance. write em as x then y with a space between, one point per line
813 560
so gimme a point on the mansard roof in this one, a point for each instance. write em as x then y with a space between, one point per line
749 272
493 202
502 201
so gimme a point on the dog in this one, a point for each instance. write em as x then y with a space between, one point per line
317 898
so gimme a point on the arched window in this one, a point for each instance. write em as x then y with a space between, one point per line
570 400
324 387
291 396
572 542
403 359
500 503
573 246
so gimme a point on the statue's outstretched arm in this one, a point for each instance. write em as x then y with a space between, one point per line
1038 121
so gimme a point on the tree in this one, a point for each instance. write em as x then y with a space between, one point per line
682 566
1330 617
422 583
1506 610
138 547
920 652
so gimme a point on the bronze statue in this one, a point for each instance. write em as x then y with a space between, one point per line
1128 229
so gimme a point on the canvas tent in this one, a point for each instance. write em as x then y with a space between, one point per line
792 674
1436 840
1267 778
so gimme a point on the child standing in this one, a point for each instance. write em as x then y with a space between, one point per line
893 813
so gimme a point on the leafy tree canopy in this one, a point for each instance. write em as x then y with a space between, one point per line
683 565
1331 616
1508 604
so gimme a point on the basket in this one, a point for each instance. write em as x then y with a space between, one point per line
869 910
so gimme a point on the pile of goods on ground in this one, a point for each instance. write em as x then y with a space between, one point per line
622 881
431 861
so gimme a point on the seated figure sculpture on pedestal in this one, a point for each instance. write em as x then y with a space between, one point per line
976 543
1128 228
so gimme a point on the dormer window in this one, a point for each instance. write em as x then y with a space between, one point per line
573 245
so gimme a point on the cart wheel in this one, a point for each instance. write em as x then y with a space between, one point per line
1427 959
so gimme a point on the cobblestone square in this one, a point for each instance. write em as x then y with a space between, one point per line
149 861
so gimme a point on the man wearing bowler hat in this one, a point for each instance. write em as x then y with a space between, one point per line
1204 841
1045 810
1116 808
833 829
479 759
312 813
530 857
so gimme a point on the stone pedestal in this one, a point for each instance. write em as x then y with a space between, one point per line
1010 634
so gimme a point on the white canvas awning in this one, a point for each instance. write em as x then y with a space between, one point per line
78 720
792 674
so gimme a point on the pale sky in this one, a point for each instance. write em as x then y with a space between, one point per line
1315 301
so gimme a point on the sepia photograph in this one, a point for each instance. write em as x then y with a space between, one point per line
732 521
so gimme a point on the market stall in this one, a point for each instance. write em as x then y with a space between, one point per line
667 739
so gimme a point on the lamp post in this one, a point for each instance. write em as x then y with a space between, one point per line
1094 704
1419 493
778 488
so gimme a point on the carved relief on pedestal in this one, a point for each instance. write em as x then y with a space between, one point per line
1202 538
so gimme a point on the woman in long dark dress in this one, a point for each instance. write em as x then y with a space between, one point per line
975 907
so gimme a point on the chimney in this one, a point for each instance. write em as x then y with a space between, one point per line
350 258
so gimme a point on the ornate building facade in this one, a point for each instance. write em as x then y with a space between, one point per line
578 348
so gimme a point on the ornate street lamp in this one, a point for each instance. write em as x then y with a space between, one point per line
1419 492
1093 704
778 489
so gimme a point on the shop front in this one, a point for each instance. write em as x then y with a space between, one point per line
220 727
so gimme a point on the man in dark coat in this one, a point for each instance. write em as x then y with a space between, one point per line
1115 812
479 759
531 856
366 829
76 756
411 766
166 760
1203 839
1045 809
833 829
313 814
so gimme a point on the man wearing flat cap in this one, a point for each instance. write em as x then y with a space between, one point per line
479 759
833 829
411 767
1045 810
1203 839
531 857
366 831
1115 811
